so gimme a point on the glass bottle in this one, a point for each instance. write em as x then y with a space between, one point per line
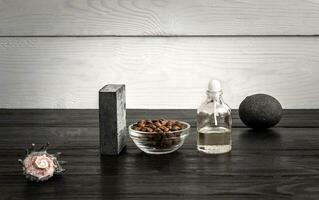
214 122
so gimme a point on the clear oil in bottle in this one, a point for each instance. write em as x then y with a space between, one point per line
214 122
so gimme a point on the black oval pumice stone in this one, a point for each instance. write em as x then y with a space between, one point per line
260 111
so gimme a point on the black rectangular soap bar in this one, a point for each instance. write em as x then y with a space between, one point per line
112 118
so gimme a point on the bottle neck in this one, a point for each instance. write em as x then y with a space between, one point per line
215 96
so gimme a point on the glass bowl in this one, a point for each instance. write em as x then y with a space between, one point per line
159 143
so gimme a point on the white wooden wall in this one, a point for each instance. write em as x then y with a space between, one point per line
58 53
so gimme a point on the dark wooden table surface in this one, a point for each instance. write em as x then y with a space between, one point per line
281 163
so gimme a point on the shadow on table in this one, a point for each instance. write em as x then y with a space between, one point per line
53 188
111 175
272 134
123 174
260 139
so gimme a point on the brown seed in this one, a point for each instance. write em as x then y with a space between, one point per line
152 126
164 122
177 134
177 123
169 134
166 143
176 128
165 129
158 136
158 124
149 129
141 121
169 123
141 124
176 141
158 130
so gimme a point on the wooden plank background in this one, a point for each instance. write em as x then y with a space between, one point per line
86 118
159 72
159 17
58 53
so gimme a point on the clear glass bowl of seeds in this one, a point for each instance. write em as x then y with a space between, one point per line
160 136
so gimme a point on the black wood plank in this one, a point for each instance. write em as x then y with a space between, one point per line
82 138
185 162
89 117
280 163
194 186
274 152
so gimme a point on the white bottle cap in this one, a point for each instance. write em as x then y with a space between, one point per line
214 86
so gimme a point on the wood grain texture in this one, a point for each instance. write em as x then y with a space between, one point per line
159 72
73 138
281 163
88 118
158 17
